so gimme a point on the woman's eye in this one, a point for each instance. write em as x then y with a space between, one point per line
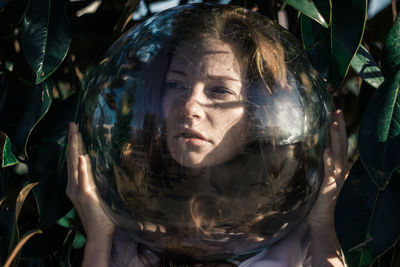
174 86
220 91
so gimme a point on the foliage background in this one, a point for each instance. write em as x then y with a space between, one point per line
48 48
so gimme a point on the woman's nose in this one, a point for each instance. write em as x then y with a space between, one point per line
194 106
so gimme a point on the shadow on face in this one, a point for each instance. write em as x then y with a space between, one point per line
203 104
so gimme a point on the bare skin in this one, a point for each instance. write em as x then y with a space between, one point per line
325 248
82 192
209 127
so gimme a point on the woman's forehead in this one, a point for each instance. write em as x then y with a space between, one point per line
205 46
209 55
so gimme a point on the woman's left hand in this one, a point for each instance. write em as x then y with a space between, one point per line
325 248
335 174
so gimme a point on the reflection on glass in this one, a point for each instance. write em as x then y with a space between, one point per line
205 126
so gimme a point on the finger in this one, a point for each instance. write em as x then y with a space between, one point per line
84 176
337 148
343 138
90 172
329 168
72 155
81 147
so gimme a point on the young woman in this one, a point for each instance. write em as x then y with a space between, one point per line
210 72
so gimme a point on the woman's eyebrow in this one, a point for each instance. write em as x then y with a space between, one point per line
177 72
213 52
222 77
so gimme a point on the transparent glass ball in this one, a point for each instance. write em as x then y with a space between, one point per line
205 126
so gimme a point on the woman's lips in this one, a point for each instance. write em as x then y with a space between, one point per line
192 137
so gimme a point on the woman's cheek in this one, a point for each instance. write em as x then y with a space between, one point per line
166 106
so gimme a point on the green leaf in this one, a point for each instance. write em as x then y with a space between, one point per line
325 9
364 64
63 254
40 246
51 173
317 42
367 218
25 238
379 134
46 36
38 106
7 157
67 220
331 50
391 52
353 211
9 231
309 9
79 241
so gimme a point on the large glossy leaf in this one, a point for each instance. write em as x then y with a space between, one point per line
331 50
364 64
50 193
9 231
379 134
38 106
325 9
20 244
310 10
40 246
6 156
366 217
317 42
391 52
63 254
46 36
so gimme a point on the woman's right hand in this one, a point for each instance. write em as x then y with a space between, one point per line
81 190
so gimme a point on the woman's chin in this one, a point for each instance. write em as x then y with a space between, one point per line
191 162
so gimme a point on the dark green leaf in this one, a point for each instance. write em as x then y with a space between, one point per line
7 157
353 211
379 134
384 226
391 52
79 241
45 244
331 50
9 231
63 254
38 106
325 9
67 220
50 193
46 36
366 217
316 40
25 238
364 64
308 8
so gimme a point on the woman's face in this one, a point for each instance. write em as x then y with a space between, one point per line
203 104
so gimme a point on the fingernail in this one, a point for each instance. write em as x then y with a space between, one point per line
329 159
339 112
335 126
